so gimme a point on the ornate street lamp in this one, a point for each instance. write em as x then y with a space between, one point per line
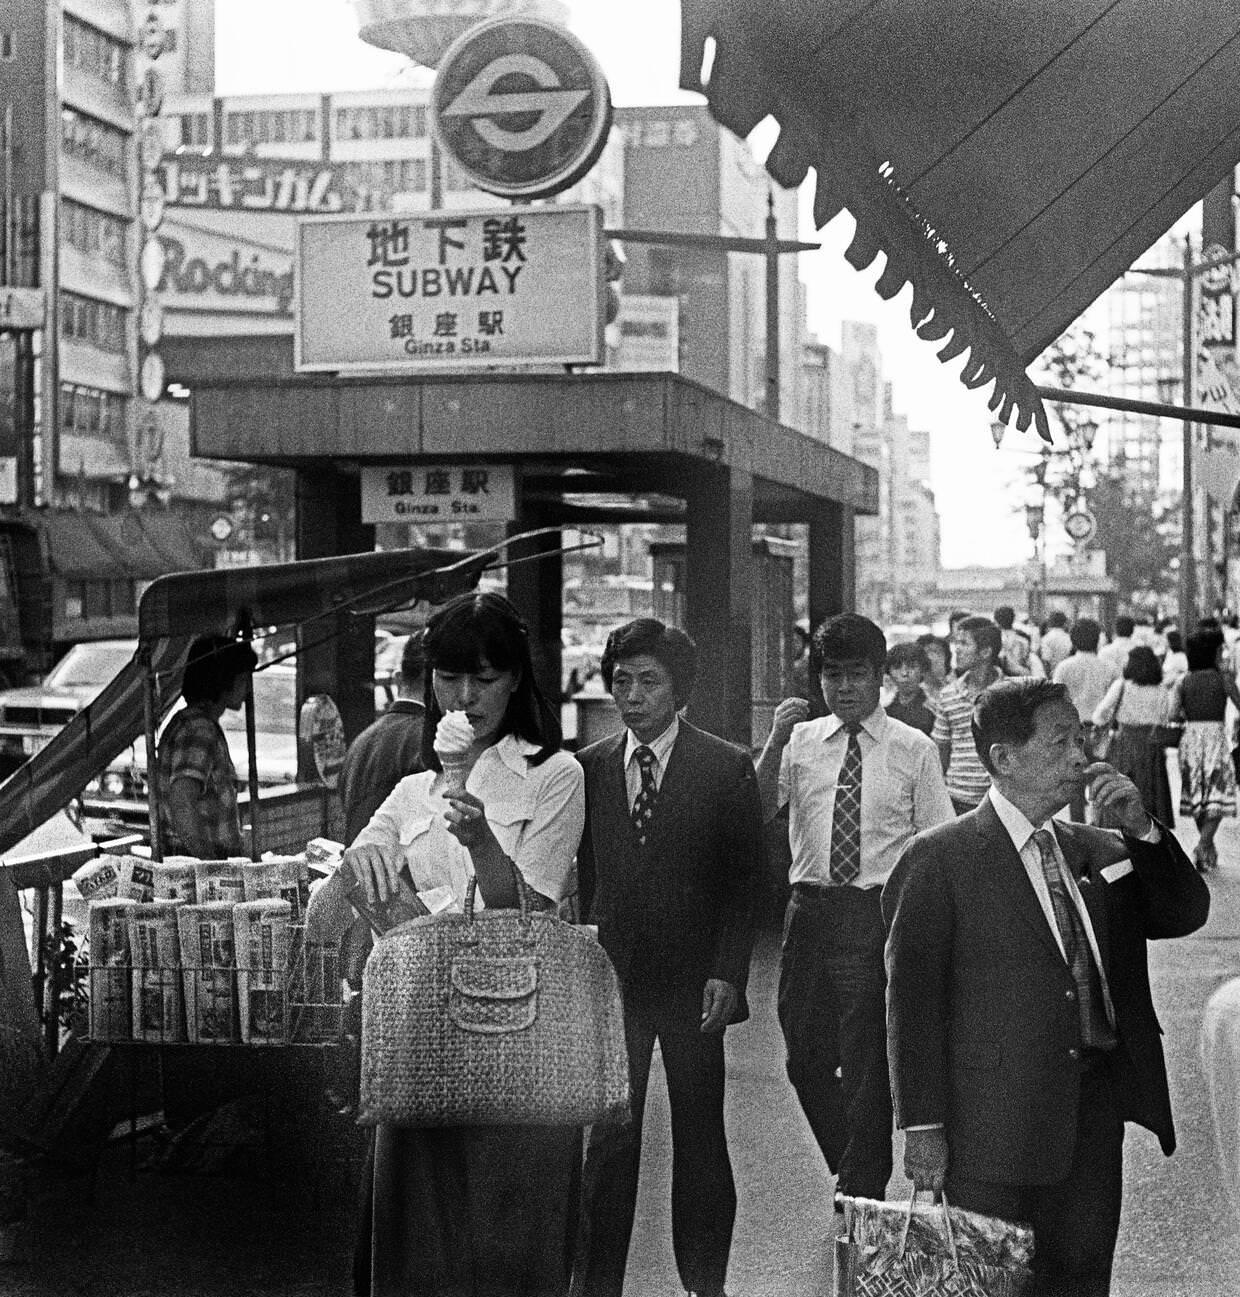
1033 519
997 430
1088 430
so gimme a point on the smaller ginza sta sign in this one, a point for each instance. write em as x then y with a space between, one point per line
450 290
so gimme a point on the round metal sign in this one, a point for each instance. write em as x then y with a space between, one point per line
151 263
221 527
521 107
151 376
151 205
151 322
1081 525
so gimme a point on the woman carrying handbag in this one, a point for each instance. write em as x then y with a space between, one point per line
1137 706
471 1211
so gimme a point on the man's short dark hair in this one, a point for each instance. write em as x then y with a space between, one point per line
984 633
214 662
1084 635
672 648
849 637
1005 616
1124 626
956 616
1007 712
908 655
1057 617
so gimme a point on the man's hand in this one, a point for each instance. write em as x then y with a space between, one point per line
790 712
376 870
1116 793
718 1004
925 1157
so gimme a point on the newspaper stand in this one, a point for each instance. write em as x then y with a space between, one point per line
315 596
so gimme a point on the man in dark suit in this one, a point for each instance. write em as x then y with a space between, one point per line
669 868
388 749
1021 1030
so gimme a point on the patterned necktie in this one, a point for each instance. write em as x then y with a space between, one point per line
846 820
1094 1028
647 794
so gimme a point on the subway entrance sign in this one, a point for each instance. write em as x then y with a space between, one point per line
449 290
521 106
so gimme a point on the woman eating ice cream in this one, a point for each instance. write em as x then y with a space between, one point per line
467 1209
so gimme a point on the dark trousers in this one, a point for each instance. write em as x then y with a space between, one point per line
832 1008
1076 1221
703 1191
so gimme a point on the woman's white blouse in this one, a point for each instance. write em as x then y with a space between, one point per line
537 814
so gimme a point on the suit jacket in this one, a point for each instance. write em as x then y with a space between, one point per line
377 760
982 1017
680 909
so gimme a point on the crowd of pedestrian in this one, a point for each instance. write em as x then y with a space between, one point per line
981 844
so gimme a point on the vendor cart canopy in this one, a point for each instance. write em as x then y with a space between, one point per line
173 611
1010 158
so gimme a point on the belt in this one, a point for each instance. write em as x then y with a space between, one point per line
823 890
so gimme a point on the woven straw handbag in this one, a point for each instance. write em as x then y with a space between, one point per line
495 1018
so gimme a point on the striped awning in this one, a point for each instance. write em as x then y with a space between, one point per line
1010 158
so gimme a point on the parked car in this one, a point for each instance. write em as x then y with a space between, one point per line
31 716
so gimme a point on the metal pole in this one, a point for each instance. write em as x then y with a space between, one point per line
153 799
1188 559
772 311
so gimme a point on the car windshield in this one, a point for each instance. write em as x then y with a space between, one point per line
89 666
275 704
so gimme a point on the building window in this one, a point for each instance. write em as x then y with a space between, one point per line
95 142
196 130
386 122
95 53
290 126
94 232
100 324
89 412
8 46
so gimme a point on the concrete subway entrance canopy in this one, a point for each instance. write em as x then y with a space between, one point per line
576 443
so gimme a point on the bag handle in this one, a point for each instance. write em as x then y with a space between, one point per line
523 896
947 1226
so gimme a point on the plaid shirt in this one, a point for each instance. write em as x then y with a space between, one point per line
193 747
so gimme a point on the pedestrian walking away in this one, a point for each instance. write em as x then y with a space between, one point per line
858 785
1207 775
670 868
1022 1035
1138 706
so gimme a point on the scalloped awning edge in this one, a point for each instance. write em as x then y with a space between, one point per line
743 89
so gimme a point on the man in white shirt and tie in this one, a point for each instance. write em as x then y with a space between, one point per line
858 785
1021 1031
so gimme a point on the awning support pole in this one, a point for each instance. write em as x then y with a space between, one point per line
154 817
251 744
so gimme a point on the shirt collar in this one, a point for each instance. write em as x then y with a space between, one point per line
661 747
513 751
1014 820
873 725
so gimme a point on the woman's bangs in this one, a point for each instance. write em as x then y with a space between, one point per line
464 643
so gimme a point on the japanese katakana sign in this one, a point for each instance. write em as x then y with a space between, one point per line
438 493
450 290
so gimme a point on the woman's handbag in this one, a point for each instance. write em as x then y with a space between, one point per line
888 1250
495 1018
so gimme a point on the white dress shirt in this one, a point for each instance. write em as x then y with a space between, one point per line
662 749
902 793
1021 832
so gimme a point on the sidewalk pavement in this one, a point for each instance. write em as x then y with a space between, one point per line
282 1227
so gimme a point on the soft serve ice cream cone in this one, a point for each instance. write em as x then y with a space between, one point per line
454 736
